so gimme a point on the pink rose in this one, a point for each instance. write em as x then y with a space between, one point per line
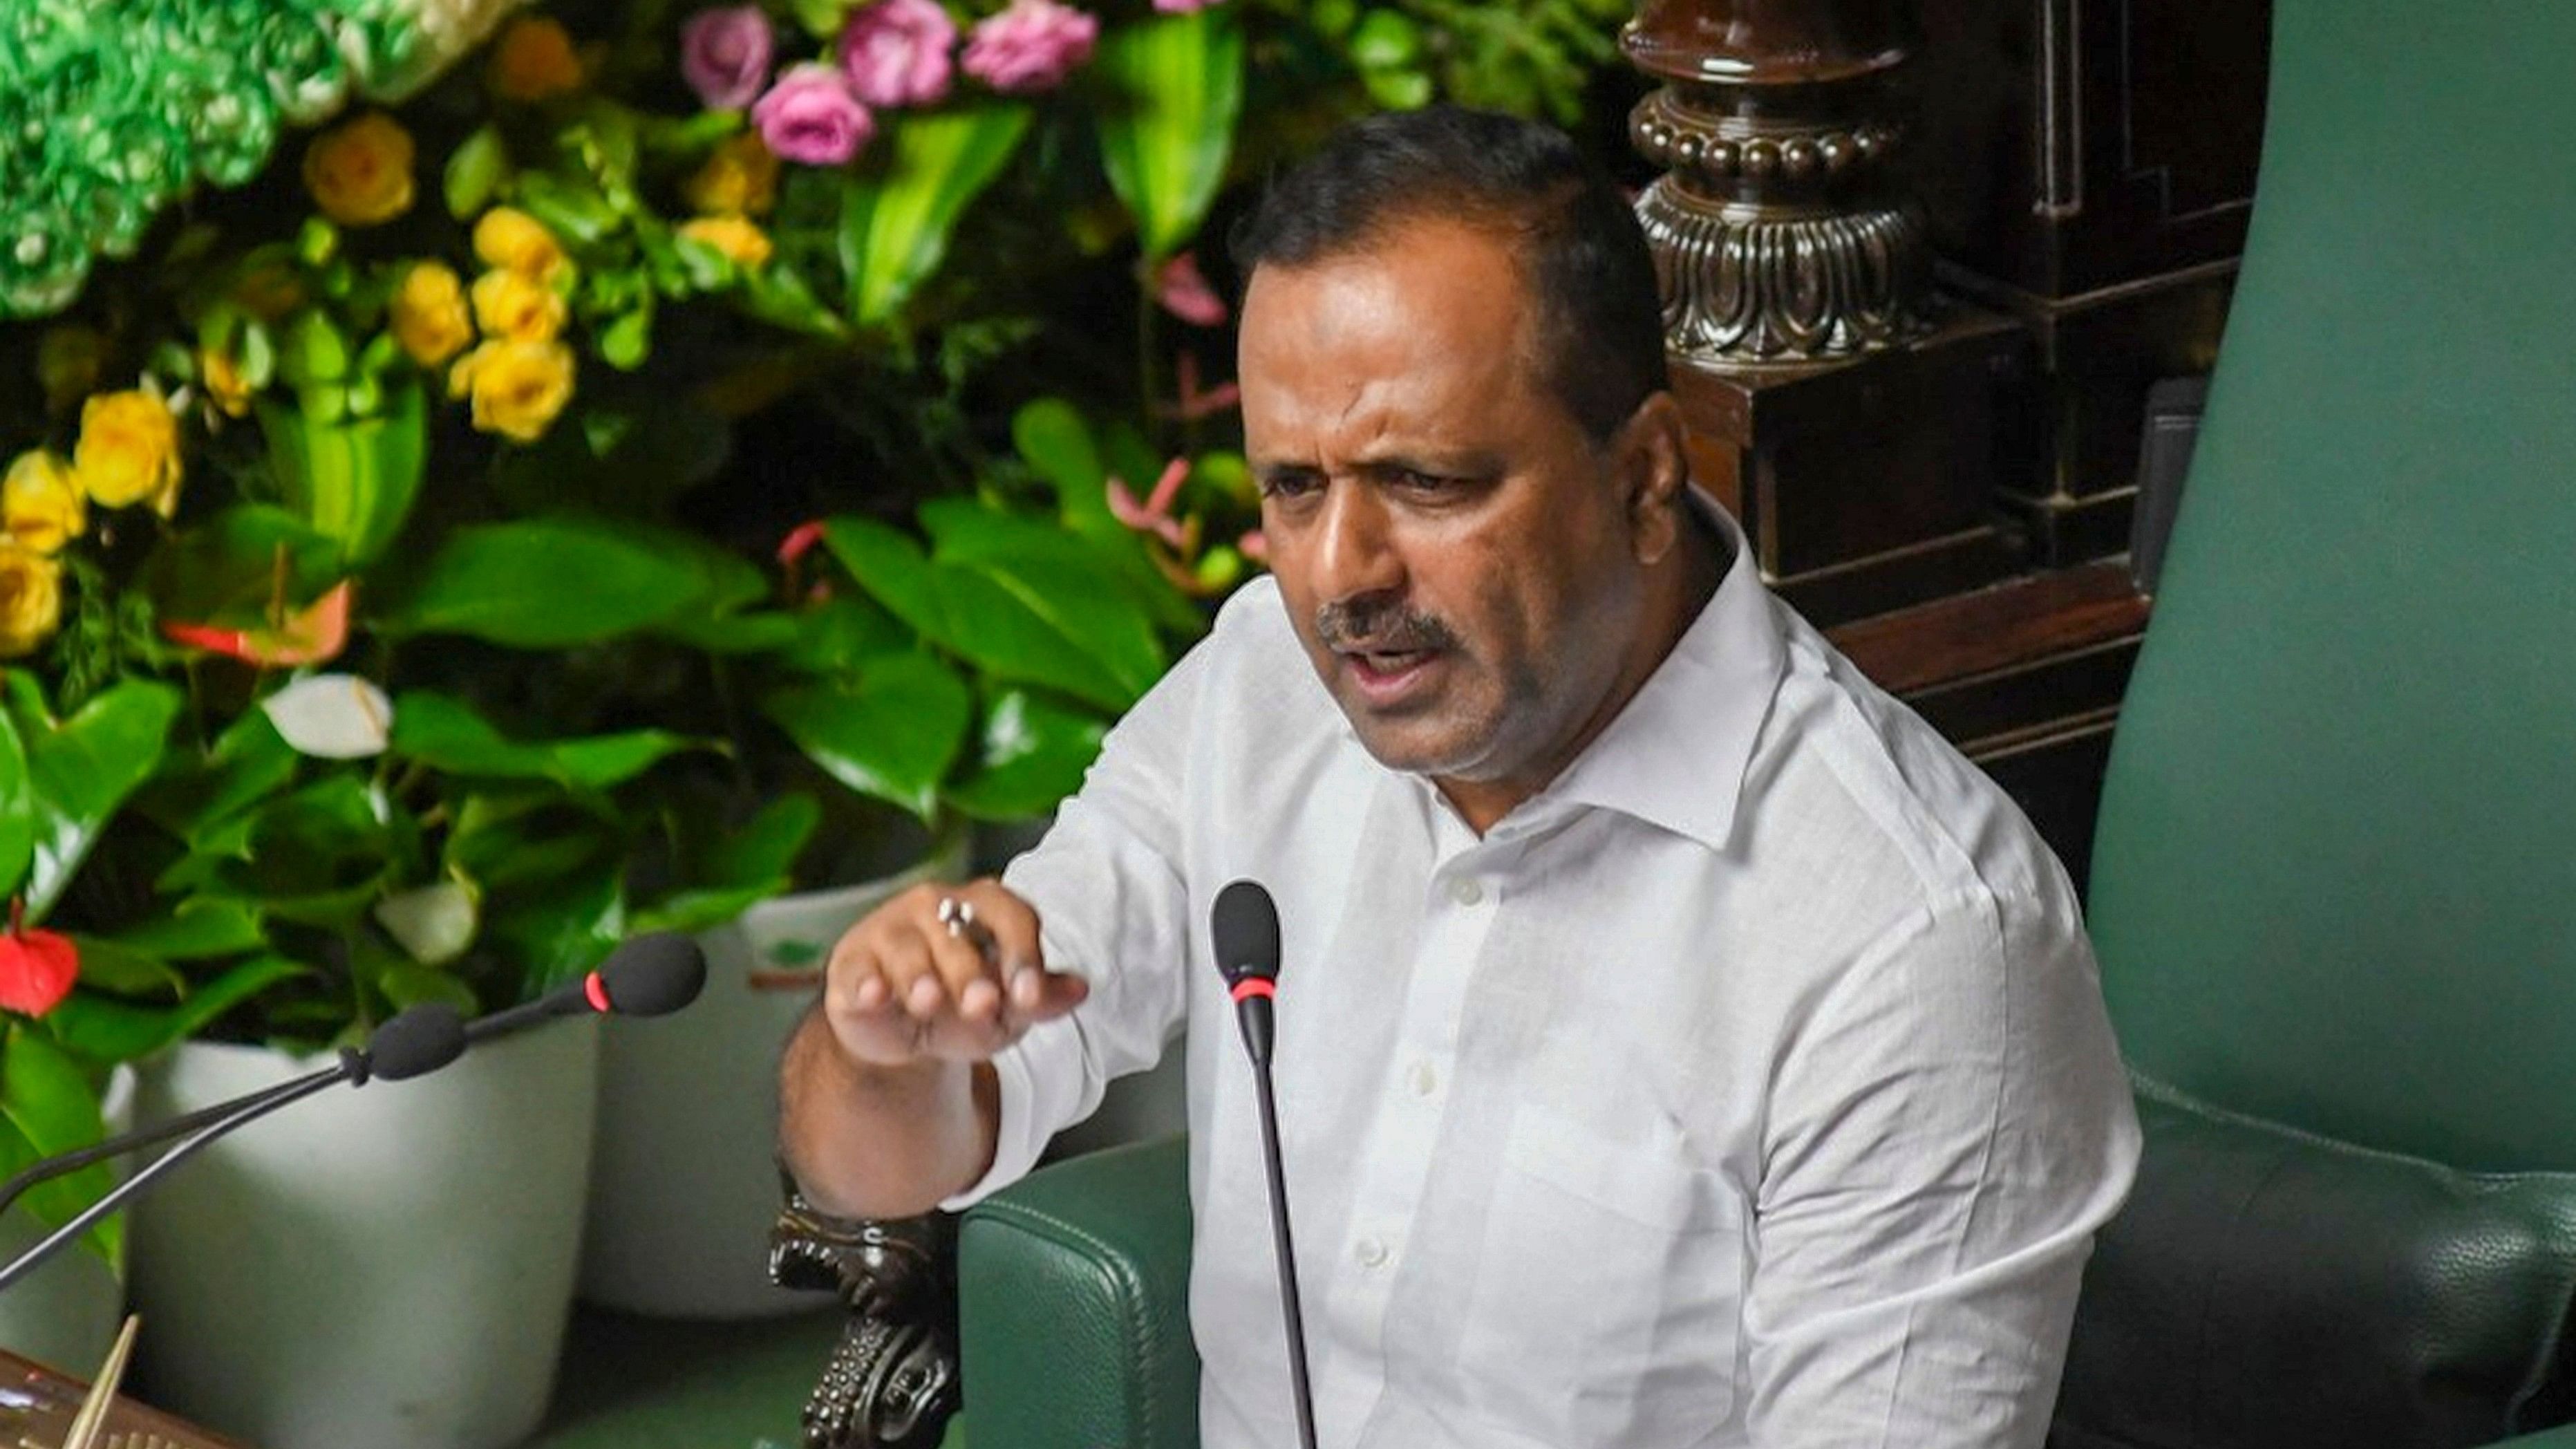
895 52
725 55
1032 46
811 117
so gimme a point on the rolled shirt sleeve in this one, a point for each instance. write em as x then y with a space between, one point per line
1945 1137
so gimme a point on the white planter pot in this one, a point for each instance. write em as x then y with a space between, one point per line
64 1315
686 1184
389 1266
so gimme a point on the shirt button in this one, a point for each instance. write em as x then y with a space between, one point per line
1371 1253
1465 891
1422 1079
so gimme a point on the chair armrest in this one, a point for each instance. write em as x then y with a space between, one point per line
1073 1294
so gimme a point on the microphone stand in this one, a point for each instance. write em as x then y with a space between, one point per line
1280 1242
227 1119
142 1137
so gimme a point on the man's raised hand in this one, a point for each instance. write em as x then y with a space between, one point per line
907 985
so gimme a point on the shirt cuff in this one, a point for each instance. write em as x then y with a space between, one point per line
1042 1087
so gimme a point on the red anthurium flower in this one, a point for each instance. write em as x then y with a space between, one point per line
37 968
1184 292
314 635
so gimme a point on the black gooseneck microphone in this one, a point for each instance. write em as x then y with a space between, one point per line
410 1043
1244 926
649 975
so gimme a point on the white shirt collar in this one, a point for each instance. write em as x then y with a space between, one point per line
1675 755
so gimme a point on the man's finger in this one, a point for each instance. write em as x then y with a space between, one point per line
1009 922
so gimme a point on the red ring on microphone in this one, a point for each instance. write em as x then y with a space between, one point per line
1251 986
597 990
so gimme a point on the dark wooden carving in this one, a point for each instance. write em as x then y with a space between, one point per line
892 1382
1775 228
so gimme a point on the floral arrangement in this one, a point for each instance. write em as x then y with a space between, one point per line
586 491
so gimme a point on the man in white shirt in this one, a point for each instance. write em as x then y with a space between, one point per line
1679 1044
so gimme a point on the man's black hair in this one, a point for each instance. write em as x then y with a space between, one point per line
1583 256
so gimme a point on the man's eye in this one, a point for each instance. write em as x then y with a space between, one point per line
1286 487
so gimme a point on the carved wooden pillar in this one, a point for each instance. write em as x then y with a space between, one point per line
1858 425
1775 226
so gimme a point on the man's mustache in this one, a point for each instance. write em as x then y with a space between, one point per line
1383 626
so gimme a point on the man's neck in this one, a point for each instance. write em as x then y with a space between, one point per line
1677 591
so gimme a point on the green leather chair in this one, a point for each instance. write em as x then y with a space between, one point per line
2334 877
2335 884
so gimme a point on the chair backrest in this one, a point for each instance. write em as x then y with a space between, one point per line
2334 882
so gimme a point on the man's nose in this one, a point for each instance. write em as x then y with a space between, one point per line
1355 551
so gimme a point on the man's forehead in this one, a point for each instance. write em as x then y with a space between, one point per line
1429 305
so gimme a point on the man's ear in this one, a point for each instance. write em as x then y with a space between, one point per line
1653 471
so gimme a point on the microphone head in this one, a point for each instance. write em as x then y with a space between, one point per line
414 1041
653 975
1244 926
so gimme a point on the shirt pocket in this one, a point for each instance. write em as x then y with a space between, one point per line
1606 1303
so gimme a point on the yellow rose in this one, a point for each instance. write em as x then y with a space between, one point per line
514 241
360 172
731 235
428 314
68 360
517 387
739 179
31 599
517 309
129 451
224 384
40 503
533 60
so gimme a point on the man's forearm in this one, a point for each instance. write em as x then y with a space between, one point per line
882 1142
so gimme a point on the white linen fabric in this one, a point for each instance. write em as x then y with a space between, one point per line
1749 1085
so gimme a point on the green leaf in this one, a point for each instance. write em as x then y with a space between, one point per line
841 633
51 1103
821 18
352 480
510 837
556 934
116 1031
250 762
1386 39
17 808
547 584
891 734
1034 753
726 872
445 733
625 343
1052 435
406 984
973 614
474 170
573 210
967 531
319 856
895 226
82 770
1168 129
195 930
313 351
112 966
226 569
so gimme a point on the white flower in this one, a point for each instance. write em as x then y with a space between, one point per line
433 923
332 716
